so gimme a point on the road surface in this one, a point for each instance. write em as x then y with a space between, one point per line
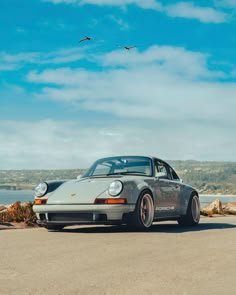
110 260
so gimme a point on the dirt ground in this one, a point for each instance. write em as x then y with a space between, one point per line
108 260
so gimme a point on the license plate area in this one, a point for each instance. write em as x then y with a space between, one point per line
70 217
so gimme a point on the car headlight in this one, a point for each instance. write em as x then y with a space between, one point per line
41 189
115 188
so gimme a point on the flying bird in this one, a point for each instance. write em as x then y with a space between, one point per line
129 47
86 38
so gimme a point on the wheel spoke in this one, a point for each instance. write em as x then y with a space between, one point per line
143 217
146 210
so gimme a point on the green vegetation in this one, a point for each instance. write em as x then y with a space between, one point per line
207 177
28 179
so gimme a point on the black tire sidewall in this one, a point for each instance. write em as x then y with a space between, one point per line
188 219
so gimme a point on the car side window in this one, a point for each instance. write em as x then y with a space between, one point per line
163 168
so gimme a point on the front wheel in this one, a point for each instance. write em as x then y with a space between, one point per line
143 215
192 216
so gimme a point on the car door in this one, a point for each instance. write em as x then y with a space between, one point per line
167 191
178 186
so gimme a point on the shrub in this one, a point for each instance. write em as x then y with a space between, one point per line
18 212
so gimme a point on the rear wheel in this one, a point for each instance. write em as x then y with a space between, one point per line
143 215
192 216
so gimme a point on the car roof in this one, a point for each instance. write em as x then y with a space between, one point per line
140 155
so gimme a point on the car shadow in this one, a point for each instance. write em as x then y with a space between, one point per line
156 227
5 225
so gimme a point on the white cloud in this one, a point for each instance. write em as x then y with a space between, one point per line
189 10
20 57
62 76
153 4
179 9
66 144
233 73
226 3
147 4
161 59
7 67
120 22
62 56
164 83
62 1
10 62
163 101
167 58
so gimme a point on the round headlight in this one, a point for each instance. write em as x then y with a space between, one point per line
115 188
41 189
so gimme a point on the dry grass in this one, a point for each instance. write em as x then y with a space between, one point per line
19 212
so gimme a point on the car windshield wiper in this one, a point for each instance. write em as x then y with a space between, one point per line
126 172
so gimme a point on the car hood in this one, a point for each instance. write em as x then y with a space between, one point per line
82 191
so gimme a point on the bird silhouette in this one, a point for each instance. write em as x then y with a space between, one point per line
129 47
86 38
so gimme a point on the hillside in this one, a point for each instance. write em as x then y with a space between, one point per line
207 177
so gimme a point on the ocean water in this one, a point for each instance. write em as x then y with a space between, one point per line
11 196
207 199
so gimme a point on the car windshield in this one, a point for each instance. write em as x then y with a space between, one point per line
123 165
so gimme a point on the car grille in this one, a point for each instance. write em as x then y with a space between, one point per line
70 216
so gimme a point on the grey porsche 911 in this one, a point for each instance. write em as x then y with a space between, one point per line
129 190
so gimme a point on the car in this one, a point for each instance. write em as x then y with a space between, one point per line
123 190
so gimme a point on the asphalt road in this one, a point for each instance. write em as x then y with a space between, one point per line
110 260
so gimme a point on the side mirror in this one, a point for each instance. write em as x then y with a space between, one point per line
161 175
181 180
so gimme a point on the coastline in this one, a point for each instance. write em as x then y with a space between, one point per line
31 188
217 195
17 188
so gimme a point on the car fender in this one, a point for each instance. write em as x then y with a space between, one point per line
185 194
133 189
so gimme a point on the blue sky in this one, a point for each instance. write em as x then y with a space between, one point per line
64 104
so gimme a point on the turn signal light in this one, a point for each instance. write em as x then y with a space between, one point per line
110 201
40 201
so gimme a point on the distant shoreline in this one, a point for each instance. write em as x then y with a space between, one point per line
217 195
9 187
17 187
31 188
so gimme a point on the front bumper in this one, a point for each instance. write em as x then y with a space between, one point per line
81 214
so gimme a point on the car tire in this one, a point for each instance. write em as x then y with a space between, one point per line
54 227
192 216
143 215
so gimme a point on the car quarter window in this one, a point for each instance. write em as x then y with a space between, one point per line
162 167
174 175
